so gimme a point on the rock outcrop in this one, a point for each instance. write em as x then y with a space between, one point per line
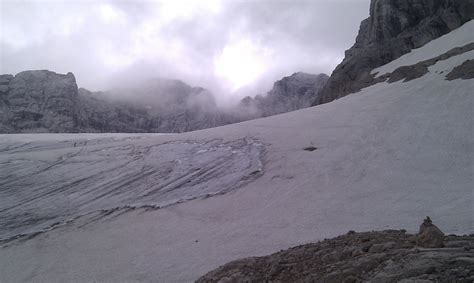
393 28
173 105
411 72
38 101
465 71
288 94
97 113
429 235
386 256
44 101
146 109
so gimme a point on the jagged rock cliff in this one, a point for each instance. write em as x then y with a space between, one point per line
97 113
43 101
151 108
38 101
173 105
288 94
392 29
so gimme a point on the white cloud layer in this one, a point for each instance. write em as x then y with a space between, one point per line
224 45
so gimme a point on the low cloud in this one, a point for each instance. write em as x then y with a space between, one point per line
226 46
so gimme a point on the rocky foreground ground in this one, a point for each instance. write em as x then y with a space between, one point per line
386 256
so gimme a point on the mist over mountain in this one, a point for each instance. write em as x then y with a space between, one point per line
167 106
290 93
167 66
104 42
44 101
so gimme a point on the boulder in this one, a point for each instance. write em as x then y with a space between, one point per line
429 235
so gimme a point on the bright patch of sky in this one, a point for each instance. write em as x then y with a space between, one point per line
228 46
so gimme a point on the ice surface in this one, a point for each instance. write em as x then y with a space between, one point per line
46 182
386 157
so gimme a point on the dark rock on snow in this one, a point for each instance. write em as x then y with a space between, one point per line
411 72
393 28
464 71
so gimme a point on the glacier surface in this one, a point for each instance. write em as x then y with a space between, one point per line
47 182
386 157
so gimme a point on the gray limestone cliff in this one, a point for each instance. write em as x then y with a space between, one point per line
38 101
44 101
394 28
288 94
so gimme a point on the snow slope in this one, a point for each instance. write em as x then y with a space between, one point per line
386 157
47 183
457 38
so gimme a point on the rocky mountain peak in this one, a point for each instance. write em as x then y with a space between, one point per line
57 84
160 94
427 18
44 101
288 94
297 84
295 91
393 28
37 100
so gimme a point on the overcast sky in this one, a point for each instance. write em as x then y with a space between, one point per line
225 45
